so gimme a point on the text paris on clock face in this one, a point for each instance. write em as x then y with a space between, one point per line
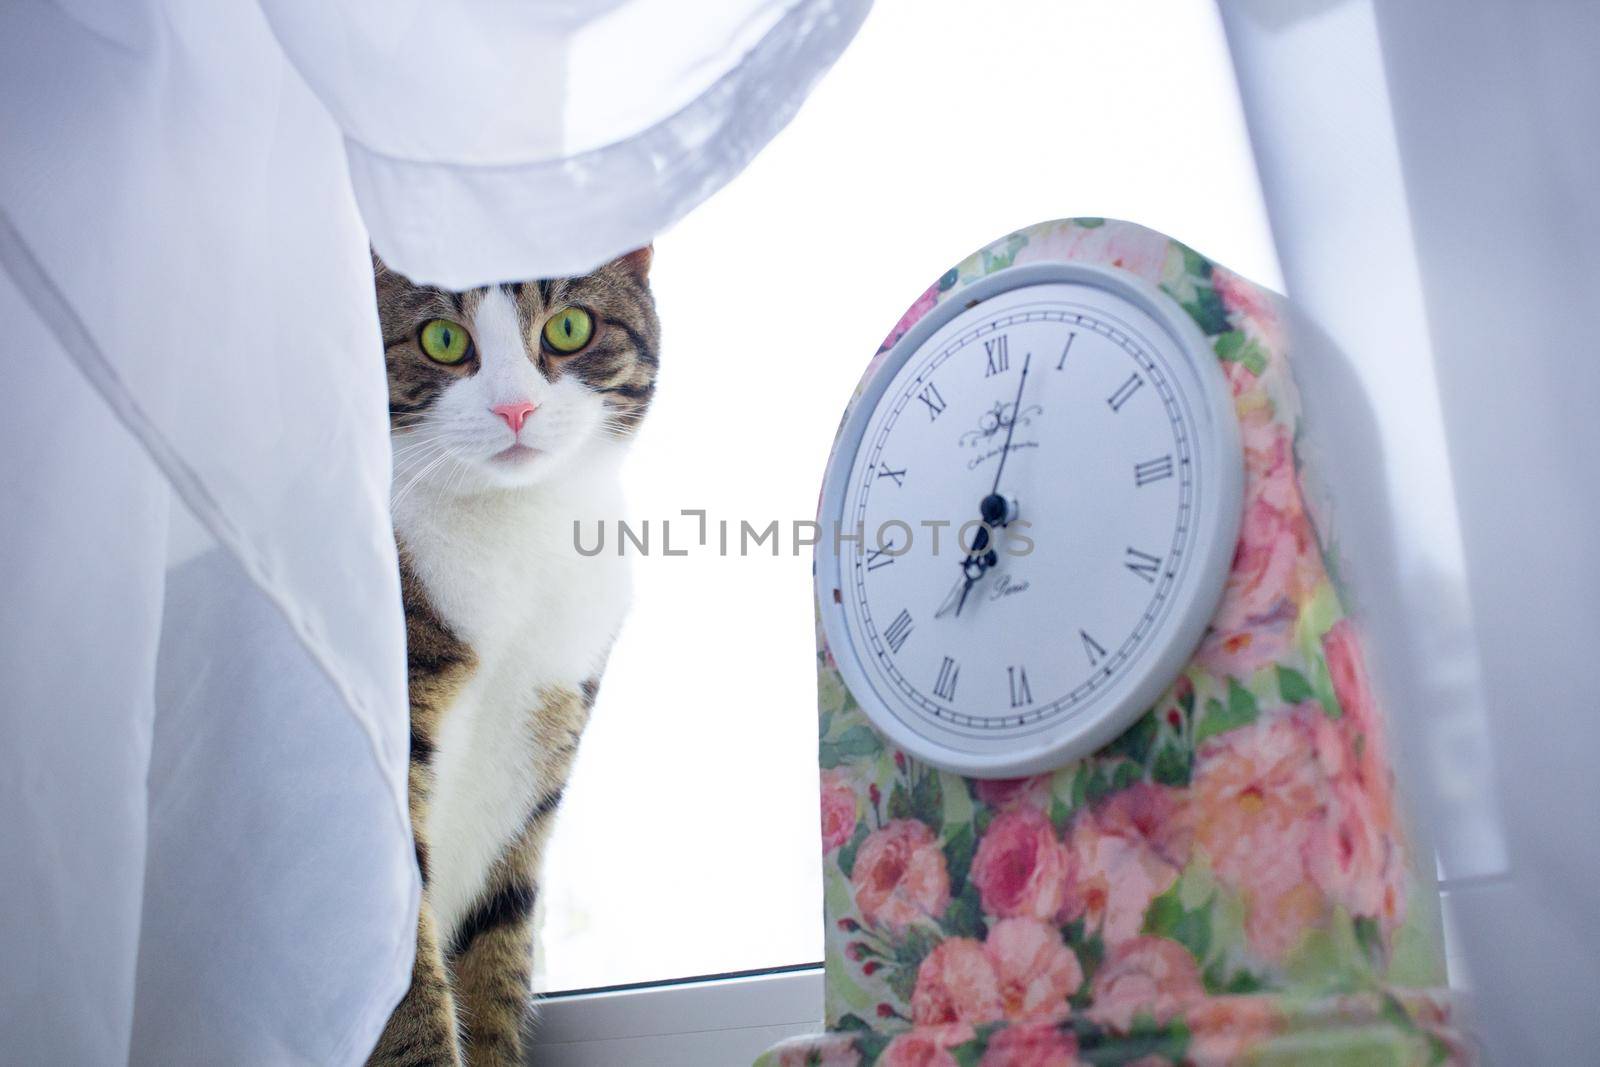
1083 435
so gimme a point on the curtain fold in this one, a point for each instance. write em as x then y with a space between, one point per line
1429 168
550 135
204 735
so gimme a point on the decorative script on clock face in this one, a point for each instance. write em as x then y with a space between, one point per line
1063 402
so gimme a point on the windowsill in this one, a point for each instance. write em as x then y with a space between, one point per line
703 1022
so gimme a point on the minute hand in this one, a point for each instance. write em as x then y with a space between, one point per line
1011 427
976 563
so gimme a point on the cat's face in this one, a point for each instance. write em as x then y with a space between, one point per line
508 385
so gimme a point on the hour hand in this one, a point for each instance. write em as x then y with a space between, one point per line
972 569
952 602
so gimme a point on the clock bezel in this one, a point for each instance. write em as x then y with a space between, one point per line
1218 515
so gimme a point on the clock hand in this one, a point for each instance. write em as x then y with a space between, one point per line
1011 428
972 569
967 588
995 511
957 591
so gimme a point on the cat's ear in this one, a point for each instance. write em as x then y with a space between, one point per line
380 269
637 262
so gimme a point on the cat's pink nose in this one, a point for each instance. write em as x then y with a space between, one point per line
514 414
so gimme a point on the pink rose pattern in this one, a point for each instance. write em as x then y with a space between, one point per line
1148 975
956 983
1021 868
1127 852
1031 1045
1036 970
1003 793
838 810
1023 971
900 876
1133 899
1261 806
919 308
925 1047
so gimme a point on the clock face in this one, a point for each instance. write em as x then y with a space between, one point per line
1038 498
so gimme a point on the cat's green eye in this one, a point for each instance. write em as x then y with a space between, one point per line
569 330
444 341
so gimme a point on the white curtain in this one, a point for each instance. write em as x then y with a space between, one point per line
1430 170
203 737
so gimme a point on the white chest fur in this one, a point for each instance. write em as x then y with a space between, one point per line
503 572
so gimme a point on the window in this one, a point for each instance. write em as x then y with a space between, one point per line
688 841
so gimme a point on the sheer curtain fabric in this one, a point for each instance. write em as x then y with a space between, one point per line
203 735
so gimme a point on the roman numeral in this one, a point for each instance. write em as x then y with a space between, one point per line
1091 648
898 631
930 396
1020 693
880 556
1068 348
1152 471
1124 391
945 687
999 352
899 476
1143 564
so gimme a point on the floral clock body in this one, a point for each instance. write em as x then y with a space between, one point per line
1227 880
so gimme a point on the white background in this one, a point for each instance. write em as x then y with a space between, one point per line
688 841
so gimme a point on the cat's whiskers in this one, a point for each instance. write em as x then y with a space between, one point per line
458 477
416 480
433 428
619 424
405 424
404 466
416 474
408 453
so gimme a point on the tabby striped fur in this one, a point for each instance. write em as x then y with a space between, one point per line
507 625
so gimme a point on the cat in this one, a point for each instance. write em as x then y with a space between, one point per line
511 407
